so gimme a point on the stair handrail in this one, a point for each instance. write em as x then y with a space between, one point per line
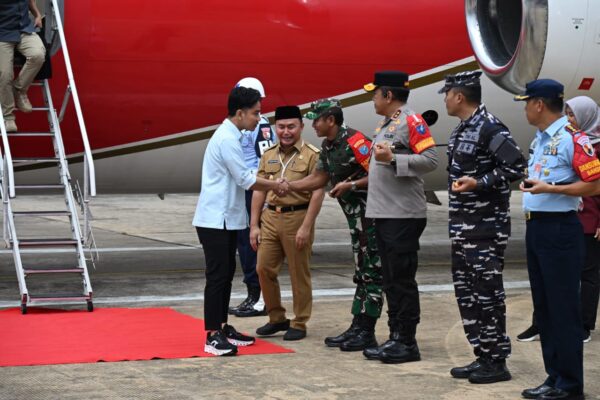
89 170
10 232
9 163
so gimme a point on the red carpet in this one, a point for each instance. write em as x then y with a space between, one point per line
46 336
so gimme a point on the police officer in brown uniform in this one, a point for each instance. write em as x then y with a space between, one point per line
286 225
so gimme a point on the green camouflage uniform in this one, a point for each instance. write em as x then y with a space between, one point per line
338 160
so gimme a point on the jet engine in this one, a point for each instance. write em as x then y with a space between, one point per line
516 41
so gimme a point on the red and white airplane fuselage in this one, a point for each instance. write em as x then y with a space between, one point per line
153 76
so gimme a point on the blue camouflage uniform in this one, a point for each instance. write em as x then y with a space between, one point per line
479 227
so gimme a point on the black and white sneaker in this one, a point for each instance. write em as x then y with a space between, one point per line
236 338
529 335
219 345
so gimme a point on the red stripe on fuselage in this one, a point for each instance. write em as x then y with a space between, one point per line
150 68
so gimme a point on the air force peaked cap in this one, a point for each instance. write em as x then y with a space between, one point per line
545 88
395 79
462 79
287 112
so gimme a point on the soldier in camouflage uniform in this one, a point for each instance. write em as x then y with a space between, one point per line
344 160
483 159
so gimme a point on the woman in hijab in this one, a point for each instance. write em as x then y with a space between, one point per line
584 114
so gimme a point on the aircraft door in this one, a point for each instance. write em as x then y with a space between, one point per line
49 30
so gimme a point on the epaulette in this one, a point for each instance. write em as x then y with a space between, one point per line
571 129
313 148
272 147
396 115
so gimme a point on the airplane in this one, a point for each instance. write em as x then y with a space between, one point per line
153 76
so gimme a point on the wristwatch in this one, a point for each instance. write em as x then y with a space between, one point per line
393 162
353 186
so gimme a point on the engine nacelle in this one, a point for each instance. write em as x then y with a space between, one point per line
516 41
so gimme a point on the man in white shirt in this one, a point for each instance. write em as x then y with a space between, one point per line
220 214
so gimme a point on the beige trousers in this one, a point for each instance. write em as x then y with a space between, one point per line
278 241
33 49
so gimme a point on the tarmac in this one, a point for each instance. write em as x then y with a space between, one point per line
150 257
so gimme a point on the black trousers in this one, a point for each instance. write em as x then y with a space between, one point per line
246 252
590 282
555 252
398 242
219 254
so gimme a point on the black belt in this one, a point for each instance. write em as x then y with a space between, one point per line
284 209
544 214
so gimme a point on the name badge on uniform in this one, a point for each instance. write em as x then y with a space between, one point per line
467 148
273 162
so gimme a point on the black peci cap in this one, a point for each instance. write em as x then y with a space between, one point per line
287 112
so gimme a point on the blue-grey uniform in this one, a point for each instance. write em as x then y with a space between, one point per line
555 251
254 144
479 226
555 243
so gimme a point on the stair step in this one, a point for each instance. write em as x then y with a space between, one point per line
40 109
33 159
39 186
58 296
17 134
31 271
46 242
41 213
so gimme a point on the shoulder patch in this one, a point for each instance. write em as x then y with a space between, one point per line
361 147
419 135
585 162
313 148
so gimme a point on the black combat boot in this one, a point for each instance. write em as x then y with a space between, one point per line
403 350
374 353
490 372
364 338
253 306
466 371
336 341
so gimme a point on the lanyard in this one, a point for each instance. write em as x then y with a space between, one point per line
284 166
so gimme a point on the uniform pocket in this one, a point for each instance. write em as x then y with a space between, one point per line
273 169
298 169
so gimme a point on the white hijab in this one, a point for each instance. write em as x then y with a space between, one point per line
587 115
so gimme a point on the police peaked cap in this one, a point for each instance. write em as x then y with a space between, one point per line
462 79
287 112
545 88
394 79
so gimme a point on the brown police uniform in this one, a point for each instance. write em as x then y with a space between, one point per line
279 223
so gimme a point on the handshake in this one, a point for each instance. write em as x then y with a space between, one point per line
283 187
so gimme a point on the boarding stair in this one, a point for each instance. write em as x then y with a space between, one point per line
37 256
